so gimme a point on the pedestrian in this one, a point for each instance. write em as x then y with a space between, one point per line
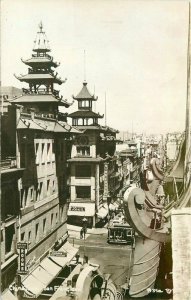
84 232
81 233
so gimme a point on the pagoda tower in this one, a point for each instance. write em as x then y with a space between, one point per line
41 79
85 116
92 161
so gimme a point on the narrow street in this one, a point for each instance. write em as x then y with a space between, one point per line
113 259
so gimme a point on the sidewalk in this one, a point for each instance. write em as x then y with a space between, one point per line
74 231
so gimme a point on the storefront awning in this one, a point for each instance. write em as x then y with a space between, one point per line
41 277
81 209
8 296
48 269
102 213
70 252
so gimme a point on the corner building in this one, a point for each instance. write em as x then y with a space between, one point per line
94 179
42 140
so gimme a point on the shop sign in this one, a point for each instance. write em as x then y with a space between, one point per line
22 249
77 208
58 253
106 179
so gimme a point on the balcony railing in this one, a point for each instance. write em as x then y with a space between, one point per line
41 91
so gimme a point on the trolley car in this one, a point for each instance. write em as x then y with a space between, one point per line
121 234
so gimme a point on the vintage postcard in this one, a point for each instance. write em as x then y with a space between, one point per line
95 149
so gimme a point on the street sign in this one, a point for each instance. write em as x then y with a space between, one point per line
21 245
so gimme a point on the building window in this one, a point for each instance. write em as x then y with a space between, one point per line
53 151
9 237
51 221
22 236
83 192
53 186
37 153
22 198
83 171
42 153
31 194
48 152
26 196
39 192
83 150
48 187
37 231
56 217
74 122
61 213
9 197
29 236
2 236
44 225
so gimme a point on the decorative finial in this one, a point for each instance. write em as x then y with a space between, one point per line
41 26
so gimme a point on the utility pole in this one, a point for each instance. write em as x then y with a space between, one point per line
187 166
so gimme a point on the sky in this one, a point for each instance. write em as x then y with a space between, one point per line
136 55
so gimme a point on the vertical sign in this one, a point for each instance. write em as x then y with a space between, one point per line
106 179
22 249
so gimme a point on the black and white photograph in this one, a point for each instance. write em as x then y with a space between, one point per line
95 158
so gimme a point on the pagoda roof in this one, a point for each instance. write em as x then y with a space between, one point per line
45 125
41 43
85 114
109 129
84 94
40 60
39 77
98 128
69 128
24 124
36 98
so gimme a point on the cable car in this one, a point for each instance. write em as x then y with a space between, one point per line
121 234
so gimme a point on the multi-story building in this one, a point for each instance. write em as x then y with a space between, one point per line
130 165
41 140
92 164
10 205
7 94
172 145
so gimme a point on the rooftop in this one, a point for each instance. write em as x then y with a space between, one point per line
44 124
40 60
85 114
41 43
84 94
40 76
36 98
98 127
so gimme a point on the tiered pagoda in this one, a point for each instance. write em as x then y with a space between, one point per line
85 116
41 78
93 164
